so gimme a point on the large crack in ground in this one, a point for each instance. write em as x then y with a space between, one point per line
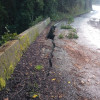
51 36
26 81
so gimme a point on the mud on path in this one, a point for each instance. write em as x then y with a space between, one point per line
79 67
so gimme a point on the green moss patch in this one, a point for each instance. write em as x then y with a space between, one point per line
39 67
2 83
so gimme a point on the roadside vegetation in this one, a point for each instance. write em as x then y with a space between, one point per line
18 15
61 36
69 21
72 36
66 27
72 31
7 36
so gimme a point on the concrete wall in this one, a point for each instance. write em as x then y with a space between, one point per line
11 52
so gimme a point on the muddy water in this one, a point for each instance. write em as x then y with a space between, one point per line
88 27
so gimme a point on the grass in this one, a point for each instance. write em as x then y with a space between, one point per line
70 20
74 30
72 36
37 20
66 27
8 36
60 36
39 67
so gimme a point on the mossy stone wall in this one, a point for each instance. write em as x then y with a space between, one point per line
11 55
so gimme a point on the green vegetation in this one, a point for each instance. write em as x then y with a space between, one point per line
74 30
38 19
70 20
34 95
39 67
7 36
2 83
72 33
19 15
66 27
61 36
72 36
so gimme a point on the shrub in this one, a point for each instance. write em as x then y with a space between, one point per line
55 17
60 36
74 30
75 36
8 36
70 20
37 20
66 27
72 36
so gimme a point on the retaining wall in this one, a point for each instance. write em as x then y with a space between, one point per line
11 52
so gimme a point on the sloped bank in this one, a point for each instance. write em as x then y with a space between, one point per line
11 52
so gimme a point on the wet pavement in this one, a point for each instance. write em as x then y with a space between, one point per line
79 67
88 27
78 61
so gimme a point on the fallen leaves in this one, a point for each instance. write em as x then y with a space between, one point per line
35 96
53 79
30 64
78 66
61 96
57 96
69 82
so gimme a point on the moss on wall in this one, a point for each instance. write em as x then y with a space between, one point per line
11 56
